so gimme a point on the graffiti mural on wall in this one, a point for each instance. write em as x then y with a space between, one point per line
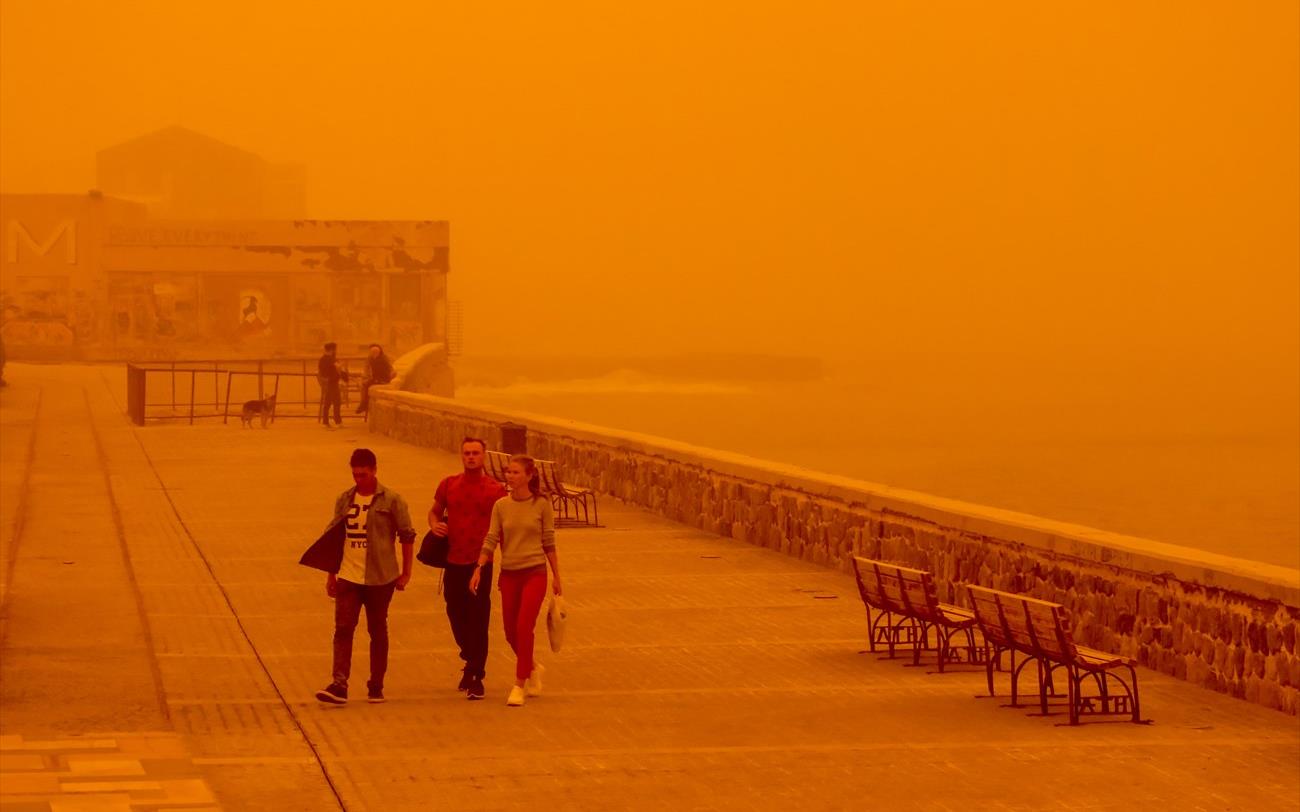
158 308
38 333
254 314
37 311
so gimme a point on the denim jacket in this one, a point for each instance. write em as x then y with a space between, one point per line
389 522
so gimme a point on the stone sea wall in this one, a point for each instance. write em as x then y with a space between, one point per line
1224 623
425 370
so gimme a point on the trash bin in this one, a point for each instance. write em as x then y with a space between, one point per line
514 438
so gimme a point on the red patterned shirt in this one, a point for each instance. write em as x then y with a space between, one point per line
467 500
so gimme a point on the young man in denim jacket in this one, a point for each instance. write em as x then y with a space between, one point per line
359 553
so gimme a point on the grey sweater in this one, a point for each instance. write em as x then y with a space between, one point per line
524 530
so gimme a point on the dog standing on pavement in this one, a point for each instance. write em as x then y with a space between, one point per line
264 409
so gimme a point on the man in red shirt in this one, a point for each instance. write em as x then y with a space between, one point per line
462 511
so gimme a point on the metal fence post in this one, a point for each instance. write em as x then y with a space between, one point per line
225 410
135 391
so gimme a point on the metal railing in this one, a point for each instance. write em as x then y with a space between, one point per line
178 390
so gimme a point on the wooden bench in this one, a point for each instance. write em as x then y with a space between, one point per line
908 609
566 499
494 465
1040 630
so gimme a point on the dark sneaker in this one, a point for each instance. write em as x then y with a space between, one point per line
475 689
465 681
333 694
374 695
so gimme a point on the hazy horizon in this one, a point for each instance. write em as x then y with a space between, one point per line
1076 221
1082 179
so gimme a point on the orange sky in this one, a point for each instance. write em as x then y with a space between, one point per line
828 178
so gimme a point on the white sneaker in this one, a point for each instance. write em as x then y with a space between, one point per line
516 697
533 686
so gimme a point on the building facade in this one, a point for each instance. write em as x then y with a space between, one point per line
181 174
94 277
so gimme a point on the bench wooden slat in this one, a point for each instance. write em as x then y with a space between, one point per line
1105 658
956 612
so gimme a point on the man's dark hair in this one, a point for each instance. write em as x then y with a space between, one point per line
482 444
363 458
378 347
330 345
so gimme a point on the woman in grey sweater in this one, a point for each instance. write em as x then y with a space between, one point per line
523 527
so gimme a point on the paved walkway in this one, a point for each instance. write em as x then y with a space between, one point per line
161 647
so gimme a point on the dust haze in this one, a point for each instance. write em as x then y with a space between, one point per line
1089 205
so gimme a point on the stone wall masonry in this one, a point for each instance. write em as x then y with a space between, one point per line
1220 622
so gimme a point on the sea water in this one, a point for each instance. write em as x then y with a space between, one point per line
1210 461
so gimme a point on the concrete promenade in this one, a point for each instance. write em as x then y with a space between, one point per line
160 645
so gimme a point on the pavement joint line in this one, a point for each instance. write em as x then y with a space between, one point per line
20 513
186 655
282 615
198 550
610 692
833 643
846 747
234 761
180 703
120 530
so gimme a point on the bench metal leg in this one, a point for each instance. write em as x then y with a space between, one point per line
921 640
1105 702
878 625
1043 681
995 654
950 654
1044 678
1102 685
1133 692
1075 692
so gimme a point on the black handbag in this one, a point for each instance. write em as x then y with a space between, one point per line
433 550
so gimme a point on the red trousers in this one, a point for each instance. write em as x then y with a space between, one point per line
522 592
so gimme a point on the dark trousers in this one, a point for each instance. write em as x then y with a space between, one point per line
365 396
347 609
469 614
330 396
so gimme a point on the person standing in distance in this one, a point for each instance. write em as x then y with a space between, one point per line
375 519
379 370
329 374
523 526
462 512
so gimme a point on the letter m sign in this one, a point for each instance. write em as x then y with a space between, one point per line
66 229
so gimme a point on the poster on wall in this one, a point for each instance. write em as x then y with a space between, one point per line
254 313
